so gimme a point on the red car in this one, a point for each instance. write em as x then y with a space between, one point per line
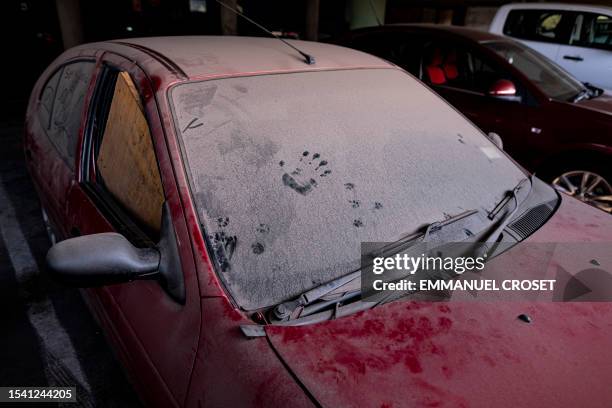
550 122
206 189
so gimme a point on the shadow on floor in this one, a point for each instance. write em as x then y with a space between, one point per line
48 335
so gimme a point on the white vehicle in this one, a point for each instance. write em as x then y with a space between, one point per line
577 37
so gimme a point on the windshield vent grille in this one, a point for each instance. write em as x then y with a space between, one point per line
532 219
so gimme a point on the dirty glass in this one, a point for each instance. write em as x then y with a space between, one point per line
68 107
46 100
291 172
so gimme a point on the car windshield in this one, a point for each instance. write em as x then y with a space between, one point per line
550 78
291 172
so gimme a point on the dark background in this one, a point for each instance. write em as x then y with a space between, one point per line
36 31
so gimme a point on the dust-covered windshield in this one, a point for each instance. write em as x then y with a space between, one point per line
291 172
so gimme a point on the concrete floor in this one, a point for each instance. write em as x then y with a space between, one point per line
47 336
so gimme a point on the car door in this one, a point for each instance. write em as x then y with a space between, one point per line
463 75
588 54
544 30
125 178
55 130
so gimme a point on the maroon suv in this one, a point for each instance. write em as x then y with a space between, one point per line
549 121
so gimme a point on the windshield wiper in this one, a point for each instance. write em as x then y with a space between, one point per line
303 304
484 249
583 94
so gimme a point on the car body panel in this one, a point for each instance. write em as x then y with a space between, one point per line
234 371
587 64
455 355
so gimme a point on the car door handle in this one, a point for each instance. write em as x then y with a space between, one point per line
573 57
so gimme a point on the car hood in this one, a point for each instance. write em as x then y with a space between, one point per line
457 354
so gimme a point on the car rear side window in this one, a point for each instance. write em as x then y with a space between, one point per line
537 25
46 100
593 31
65 106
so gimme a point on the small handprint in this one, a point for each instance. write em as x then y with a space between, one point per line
303 179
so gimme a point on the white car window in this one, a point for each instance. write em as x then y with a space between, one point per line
536 25
593 31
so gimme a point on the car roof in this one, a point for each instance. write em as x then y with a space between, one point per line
472 34
203 56
596 8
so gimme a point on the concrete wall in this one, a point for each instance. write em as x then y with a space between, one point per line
480 17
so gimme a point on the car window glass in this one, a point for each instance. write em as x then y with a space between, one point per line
593 31
536 25
68 108
46 100
460 67
126 163
398 48
277 179
550 78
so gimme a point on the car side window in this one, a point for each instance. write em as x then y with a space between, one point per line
126 166
46 100
461 67
399 48
592 30
63 99
537 25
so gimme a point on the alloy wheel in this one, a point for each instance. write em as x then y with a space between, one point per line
586 186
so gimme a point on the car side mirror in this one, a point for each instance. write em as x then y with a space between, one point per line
109 258
504 89
496 139
100 259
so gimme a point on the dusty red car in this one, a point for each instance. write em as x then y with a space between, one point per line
212 194
550 122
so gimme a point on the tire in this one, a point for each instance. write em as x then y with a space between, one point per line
587 180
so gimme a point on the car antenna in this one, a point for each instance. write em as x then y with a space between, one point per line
375 13
309 59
